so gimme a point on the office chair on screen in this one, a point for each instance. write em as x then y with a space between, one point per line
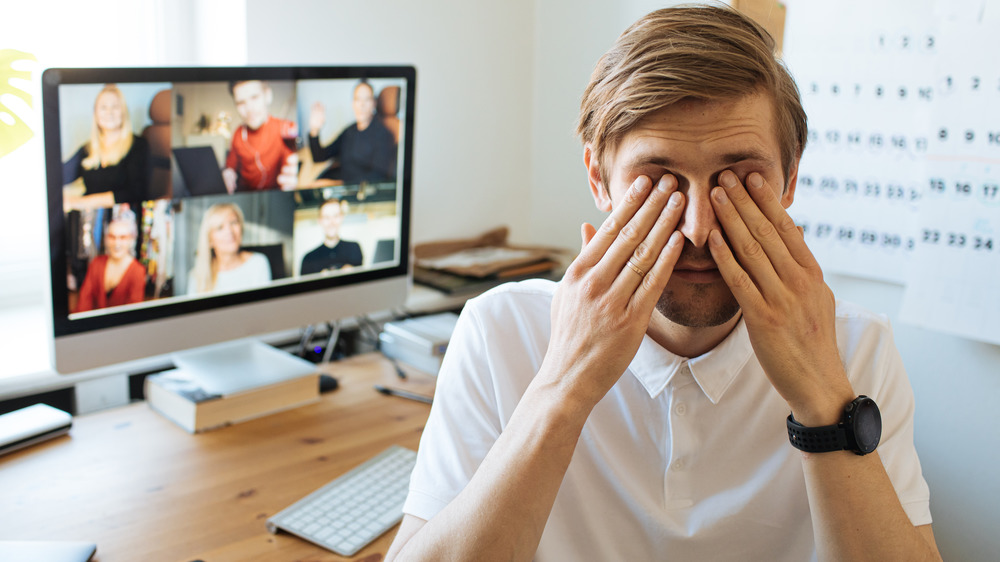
275 254
158 136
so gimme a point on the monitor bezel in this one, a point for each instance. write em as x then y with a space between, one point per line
64 326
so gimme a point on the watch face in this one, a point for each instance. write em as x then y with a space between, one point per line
867 425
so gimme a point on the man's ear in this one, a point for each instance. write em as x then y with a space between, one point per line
268 95
599 191
789 194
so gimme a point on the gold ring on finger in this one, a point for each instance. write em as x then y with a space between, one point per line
635 268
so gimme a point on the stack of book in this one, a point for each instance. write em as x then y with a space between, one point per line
419 342
179 397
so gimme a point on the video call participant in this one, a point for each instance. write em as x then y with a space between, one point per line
115 277
220 263
333 253
365 150
638 409
262 154
114 163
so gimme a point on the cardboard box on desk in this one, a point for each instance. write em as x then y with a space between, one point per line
178 397
455 266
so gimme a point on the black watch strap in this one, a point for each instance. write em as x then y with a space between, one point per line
821 439
859 430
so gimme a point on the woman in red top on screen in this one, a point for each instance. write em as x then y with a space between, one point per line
114 163
115 277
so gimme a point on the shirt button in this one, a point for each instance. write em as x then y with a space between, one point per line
681 409
678 465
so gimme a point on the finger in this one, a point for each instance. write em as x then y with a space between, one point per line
791 234
633 242
757 223
587 232
739 282
745 248
612 225
646 254
655 281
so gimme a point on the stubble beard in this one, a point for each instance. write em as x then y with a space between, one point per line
700 308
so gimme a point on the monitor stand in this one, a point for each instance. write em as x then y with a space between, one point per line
233 367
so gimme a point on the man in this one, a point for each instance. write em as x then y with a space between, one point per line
638 410
333 253
262 154
365 151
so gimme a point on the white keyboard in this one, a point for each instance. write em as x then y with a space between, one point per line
354 509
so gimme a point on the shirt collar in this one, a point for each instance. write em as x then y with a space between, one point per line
714 371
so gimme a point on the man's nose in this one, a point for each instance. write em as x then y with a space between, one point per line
699 216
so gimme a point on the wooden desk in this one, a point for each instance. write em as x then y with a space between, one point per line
144 489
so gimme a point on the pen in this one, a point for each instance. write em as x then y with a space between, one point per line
403 394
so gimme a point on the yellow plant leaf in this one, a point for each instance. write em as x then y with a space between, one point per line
13 130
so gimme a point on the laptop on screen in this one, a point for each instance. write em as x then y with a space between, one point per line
200 170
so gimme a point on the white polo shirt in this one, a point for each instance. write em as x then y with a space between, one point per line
681 460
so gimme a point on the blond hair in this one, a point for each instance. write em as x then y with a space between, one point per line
687 52
206 267
97 153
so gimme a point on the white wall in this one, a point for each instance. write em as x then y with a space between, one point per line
474 82
956 383
570 36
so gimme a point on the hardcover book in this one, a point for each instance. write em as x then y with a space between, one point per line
180 398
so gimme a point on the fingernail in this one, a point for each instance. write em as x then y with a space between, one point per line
720 195
715 239
728 179
640 184
675 200
755 180
666 183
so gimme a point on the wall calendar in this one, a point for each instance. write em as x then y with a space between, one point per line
900 181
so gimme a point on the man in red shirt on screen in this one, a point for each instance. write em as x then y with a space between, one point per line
262 154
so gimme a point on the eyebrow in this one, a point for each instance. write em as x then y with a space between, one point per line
727 159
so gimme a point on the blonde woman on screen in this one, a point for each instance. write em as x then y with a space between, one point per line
114 163
220 263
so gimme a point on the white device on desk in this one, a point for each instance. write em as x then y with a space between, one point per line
34 424
354 509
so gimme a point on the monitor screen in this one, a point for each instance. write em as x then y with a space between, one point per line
190 206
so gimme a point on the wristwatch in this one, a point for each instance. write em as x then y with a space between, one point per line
859 430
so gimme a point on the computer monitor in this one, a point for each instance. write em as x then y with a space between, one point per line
149 256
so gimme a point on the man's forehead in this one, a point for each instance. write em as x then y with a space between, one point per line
248 88
331 207
724 131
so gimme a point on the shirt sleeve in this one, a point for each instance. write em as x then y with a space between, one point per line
231 157
258 270
92 280
463 423
321 153
134 178
135 278
356 258
891 390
